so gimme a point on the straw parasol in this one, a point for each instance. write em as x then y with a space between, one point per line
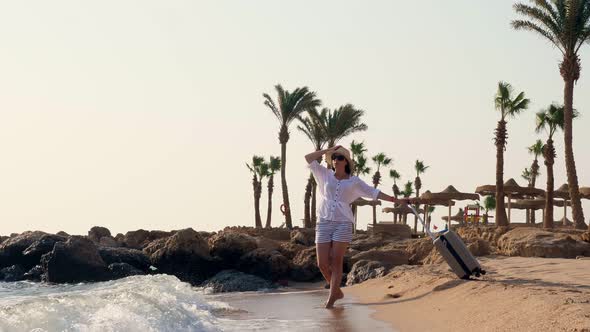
585 192
459 217
512 190
399 210
536 204
449 194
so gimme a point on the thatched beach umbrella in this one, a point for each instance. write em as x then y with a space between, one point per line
536 204
459 217
428 202
450 194
364 202
512 190
399 210
585 192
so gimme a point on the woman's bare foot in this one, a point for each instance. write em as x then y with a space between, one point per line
332 299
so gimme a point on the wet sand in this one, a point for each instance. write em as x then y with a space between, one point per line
299 309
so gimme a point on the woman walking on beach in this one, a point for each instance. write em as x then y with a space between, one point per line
338 189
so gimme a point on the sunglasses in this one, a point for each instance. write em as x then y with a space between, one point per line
338 157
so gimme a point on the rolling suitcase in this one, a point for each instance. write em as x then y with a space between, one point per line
454 251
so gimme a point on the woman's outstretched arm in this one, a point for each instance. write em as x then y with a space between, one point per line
384 197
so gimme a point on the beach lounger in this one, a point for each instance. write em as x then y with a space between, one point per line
454 251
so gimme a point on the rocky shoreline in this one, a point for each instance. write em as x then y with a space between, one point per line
247 259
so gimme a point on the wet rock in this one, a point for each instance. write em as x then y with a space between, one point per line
11 250
304 266
12 273
290 250
34 274
107 241
185 255
75 260
133 257
41 246
267 264
364 270
231 245
123 270
387 258
235 281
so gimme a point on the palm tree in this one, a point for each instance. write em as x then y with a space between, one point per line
550 120
528 176
273 166
256 168
381 160
566 24
313 129
342 122
395 176
420 169
288 106
407 192
536 150
361 167
489 203
357 150
360 161
509 106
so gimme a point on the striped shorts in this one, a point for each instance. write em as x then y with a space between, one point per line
327 231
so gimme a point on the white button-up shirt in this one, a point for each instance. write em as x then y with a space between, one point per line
337 195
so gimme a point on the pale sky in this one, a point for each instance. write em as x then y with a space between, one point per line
142 114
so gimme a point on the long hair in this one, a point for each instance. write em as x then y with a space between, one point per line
346 168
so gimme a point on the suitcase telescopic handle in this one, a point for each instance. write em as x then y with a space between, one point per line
426 229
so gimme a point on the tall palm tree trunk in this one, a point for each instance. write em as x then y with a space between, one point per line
535 171
501 217
570 164
284 138
549 155
257 194
307 203
418 185
314 192
269 210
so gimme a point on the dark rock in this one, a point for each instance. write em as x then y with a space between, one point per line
75 260
97 232
154 246
62 233
133 257
123 270
231 245
365 270
303 236
42 246
12 273
11 250
120 238
268 264
3 238
304 266
371 242
107 241
235 281
140 238
290 250
387 258
34 274
185 255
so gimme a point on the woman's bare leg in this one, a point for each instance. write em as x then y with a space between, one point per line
338 251
323 255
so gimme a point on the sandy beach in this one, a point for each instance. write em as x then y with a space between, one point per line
524 294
